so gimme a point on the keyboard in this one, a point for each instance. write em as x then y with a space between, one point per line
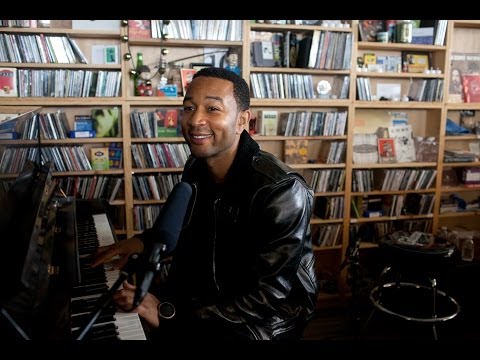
93 231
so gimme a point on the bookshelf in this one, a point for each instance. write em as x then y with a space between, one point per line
65 89
462 37
427 118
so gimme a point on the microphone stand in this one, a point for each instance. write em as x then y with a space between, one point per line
105 300
18 329
352 260
153 266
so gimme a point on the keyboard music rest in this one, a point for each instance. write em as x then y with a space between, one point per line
94 230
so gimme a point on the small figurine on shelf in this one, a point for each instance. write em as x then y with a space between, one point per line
231 58
143 83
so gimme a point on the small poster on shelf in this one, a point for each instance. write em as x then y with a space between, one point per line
416 62
187 76
386 150
8 82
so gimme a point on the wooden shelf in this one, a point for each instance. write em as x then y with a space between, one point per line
429 117
363 45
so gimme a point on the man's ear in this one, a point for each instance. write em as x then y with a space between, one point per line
243 120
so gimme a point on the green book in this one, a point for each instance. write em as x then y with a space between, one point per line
167 122
106 122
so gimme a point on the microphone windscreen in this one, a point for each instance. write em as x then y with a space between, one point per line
170 219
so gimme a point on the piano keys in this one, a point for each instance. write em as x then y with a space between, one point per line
94 230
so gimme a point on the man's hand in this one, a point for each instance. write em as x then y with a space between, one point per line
147 308
121 250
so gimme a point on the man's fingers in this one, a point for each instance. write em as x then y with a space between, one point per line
102 256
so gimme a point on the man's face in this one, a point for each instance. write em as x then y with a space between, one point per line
211 122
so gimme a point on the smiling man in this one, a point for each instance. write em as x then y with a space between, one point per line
244 266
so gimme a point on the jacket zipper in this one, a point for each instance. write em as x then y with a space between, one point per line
214 242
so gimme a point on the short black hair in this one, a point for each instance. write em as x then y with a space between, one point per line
241 92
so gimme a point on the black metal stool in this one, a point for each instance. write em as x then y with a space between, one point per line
400 292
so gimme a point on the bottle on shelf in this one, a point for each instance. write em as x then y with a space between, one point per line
138 65
404 31
468 249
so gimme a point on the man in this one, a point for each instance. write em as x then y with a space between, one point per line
243 267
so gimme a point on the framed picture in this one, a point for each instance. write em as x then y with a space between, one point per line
104 54
199 66
368 29
386 150
416 62
186 75
8 82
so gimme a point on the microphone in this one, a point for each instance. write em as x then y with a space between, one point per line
166 229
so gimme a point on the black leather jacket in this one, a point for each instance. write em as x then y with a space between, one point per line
244 264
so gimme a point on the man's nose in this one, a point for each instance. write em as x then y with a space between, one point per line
197 118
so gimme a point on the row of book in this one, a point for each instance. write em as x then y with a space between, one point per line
407 179
392 205
157 187
55 125
340 87
282 86
451 155
330 152
326 50
440 32
52 126
64 158
364 180
18 23
376 230
316 123
364 89
329 207
162 155
222 30
325 180
327 235
430 90
68 83
415 204
40 49
163 122
92 187
144 216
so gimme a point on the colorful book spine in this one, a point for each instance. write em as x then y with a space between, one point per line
82 134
